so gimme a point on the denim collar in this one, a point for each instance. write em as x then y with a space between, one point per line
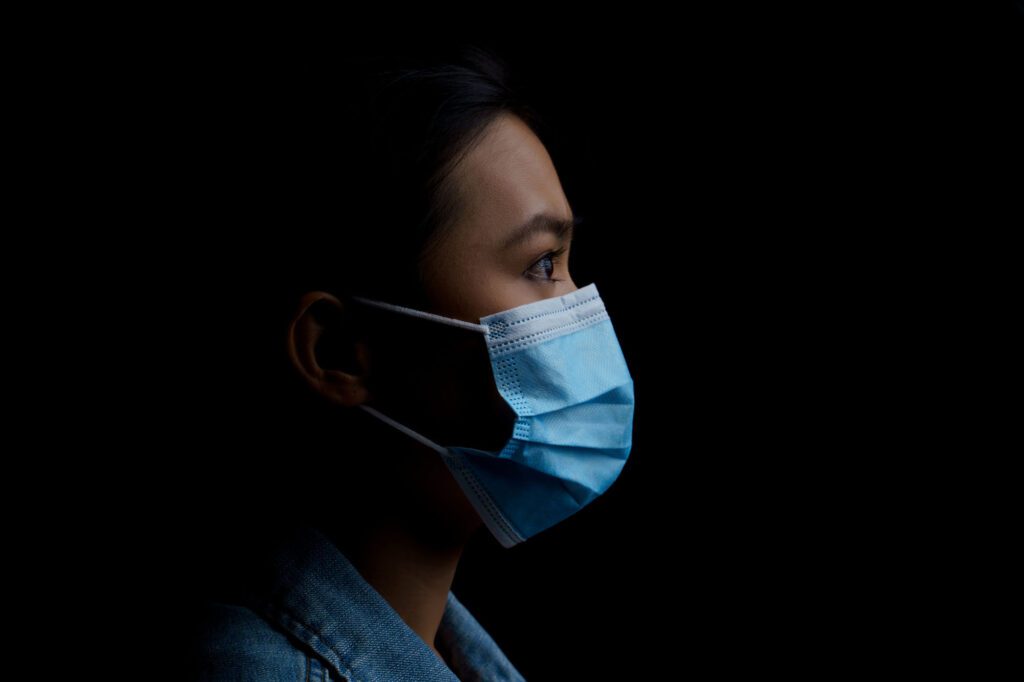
311 590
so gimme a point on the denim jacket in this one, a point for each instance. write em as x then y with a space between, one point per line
310 615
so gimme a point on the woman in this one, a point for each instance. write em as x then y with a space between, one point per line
450 376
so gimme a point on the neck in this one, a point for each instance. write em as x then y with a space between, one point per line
413 574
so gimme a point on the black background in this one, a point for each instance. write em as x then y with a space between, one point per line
755 188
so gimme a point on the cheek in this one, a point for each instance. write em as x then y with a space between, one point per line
464 401
442 385
490 412
471 287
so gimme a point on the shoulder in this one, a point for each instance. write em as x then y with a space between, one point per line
233 642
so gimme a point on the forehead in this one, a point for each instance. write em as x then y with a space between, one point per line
506 178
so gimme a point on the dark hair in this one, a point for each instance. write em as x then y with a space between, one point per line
404 123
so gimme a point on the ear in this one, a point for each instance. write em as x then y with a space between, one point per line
319 316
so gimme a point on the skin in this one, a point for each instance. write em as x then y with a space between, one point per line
409 548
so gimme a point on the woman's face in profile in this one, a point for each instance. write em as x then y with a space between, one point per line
507 245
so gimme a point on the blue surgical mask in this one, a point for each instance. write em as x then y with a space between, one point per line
557 362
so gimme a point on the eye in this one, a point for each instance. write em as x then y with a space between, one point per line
543 268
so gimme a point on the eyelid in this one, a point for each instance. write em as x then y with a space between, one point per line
550 253
554 255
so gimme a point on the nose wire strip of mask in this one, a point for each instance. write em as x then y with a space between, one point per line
423 315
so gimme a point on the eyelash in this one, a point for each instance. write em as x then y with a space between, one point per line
554 256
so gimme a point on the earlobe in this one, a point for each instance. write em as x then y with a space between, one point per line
317 315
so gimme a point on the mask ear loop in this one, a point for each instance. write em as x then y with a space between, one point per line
426 316
404 429
482 328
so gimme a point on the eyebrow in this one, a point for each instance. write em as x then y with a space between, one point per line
540 223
